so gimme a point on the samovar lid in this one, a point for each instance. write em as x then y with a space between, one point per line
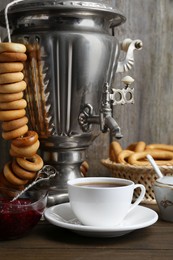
82 8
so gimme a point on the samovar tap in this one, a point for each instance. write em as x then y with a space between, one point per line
107 122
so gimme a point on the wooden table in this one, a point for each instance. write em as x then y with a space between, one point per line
46 241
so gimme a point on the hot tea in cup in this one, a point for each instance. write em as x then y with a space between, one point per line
102 201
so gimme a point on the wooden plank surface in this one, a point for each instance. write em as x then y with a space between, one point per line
47 241
151 117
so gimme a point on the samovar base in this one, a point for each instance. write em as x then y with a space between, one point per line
67 164
57 197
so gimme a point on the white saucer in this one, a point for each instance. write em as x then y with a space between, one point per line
62 216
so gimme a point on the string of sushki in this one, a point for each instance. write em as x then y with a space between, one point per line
25 163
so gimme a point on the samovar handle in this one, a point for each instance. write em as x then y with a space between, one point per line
128 46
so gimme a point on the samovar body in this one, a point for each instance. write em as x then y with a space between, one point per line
71 55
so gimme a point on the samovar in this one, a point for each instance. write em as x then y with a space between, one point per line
72 57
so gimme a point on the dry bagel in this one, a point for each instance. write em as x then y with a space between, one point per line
21 172
28 139
140 146
123 156
5 183
11 97
14 124
165 147
161 157
24 151
7 78
115 149
12 56
12 105
34 163
11 67
12 114
10 176
11 88
10 135
12 47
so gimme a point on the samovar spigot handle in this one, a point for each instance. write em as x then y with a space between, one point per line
104 119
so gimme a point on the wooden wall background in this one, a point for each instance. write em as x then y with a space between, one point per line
151 117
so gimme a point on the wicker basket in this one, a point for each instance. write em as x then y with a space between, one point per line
138 174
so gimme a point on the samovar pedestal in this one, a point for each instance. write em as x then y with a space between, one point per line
67 163
65 154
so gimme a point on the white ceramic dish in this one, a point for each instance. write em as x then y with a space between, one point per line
62 216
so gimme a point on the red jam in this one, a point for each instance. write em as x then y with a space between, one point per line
15 219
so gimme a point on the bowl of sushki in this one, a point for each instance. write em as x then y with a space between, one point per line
132 163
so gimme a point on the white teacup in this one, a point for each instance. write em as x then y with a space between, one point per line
102 201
